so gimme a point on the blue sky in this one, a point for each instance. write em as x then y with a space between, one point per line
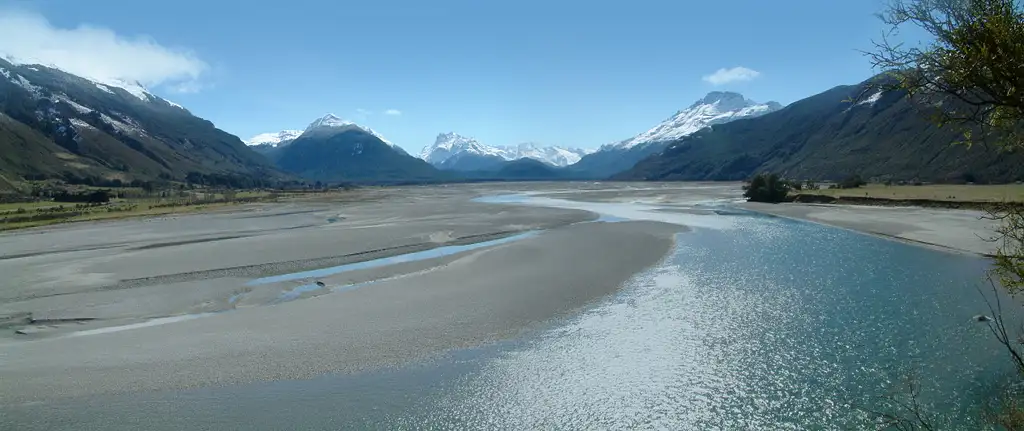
576 73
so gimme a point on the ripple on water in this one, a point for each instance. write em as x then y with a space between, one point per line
776 325
772 325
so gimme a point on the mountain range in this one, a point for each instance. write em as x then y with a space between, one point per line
848 130
716 108
451 151
57 125
334 150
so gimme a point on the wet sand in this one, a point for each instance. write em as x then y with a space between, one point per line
130 274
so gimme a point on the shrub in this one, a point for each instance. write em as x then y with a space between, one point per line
852 182
766 187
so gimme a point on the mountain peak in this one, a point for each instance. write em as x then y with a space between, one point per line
273 138
452 145
442 138
720 96
329 120
716 107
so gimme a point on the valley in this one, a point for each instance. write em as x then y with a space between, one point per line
282 300
524 215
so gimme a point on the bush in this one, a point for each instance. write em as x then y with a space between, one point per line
852 182
98 196
767 188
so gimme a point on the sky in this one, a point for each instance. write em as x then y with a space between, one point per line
570 73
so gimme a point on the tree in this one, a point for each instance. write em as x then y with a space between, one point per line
766 187
972 70
852 182
970 76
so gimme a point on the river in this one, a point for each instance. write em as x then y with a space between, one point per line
751 322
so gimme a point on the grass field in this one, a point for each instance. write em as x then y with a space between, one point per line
935 192
47 212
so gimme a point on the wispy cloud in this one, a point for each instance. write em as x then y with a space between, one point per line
393 112
736 74
97 53
188 87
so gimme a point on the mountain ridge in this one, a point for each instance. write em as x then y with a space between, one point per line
884 136
453 151
717 107
334 150
100 132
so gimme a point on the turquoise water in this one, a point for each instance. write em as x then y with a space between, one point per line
385 261
773 324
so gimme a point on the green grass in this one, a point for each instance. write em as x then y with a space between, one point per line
935 192
13 207
149 206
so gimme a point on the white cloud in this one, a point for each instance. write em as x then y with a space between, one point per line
394 112
736 74
97 53
361 111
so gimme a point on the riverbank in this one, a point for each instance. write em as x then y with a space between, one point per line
948 229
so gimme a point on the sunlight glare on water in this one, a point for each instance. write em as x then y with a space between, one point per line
718 337
770 325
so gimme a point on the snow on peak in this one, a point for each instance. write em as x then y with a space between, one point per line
134 88
553 155
273 138
329 120
107 84
717 107
328 124
448 145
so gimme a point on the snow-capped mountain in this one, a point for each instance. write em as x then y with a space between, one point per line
335 150
274 139
451 147
450 144
105 84
328 124
556 156
717 107
63 126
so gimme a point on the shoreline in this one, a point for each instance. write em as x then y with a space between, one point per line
944 229
811 198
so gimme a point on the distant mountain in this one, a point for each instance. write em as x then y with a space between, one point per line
525 169
57 125
528 169
826 137
335 150
452 151
274 139
715 108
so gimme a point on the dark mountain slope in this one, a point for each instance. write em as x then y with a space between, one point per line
827 137
108 132
717 107
601 164
342 152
